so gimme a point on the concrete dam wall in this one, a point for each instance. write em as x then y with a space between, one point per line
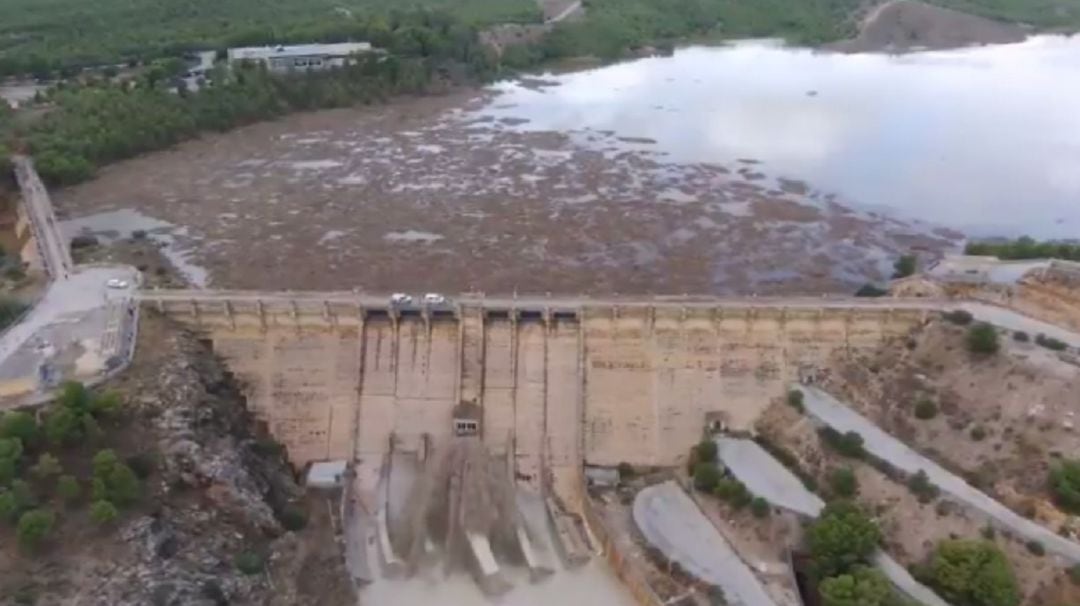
335 377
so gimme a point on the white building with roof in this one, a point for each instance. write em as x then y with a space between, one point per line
301 57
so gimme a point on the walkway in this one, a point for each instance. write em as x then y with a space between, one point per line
768 479
672 522
833 413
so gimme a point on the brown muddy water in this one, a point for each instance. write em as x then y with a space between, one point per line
750 168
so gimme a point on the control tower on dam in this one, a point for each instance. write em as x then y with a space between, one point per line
555 381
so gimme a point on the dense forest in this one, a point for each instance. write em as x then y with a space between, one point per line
1025 248
103 120
42 36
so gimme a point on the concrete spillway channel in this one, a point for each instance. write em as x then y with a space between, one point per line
828 410
767 478
670 521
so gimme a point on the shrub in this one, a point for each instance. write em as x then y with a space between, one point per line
870 290
959 317
1035 548
795 399
21 425
978 433
1065 485
1051 343
293 518
972 572
920 485
706 475
864 586
142 464
267 447
982 338
113 480
34 527
103 512
706 451
9 507
905 266
63 426
47 466
843 483
11 448
848 444
249 563
842 537
1074 574
760 507
1021 337
8 470
67 487
925 409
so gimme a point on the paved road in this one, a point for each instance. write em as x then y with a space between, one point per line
672 522
835 414
534 301
770 480
566 12
51 242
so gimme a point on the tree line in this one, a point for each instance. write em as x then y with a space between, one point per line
1025 248
100 121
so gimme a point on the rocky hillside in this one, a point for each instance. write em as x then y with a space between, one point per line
215 500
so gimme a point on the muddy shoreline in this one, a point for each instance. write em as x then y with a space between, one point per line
430 194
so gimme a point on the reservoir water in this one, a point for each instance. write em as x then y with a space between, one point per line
984 139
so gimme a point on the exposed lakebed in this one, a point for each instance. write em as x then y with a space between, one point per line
750 168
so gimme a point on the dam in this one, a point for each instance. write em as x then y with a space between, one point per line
556 381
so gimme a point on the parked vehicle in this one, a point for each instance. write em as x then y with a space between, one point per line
434 298
400 298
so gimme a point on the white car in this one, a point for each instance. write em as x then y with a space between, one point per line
400 298
116 283
434 298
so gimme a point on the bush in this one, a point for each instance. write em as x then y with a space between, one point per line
972 572
920 485
34 527
103 512
870 290
848 444
706 451
978 433
1065 485
249 563
982 339
142 464
760 507
21 425
67 488
905 266
1051 343
63 427
1074 574
11 448
925 409
9 507
843 482
706 475
1035 548
959 317
113 480
1021 337
864 586
795 400
842 537
293 518
47 466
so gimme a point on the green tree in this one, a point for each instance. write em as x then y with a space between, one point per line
863 586
973 573
249 563
67 487
34 527
843 482
925 409
114 480
103 512
11 448
982 338
904 266
63 426
1065 484
47 465
21 425
760 507
842 537
9 506
706 451
706 475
